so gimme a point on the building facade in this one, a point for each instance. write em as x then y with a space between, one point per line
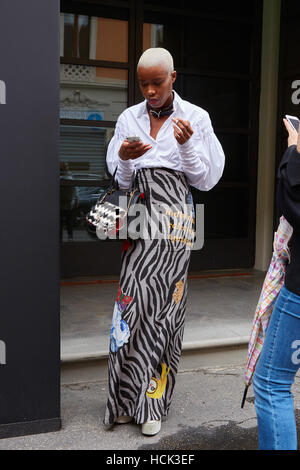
227 60
239 61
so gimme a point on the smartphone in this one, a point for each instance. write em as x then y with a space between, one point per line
294 121
133 138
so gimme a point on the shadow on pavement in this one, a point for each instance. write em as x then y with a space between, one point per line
230 436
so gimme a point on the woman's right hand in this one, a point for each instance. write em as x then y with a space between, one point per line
133 150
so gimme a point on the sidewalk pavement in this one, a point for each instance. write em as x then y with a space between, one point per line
205 415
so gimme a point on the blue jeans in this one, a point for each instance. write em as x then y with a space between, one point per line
274 375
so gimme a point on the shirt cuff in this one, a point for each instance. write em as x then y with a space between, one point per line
125 164
124 172
186 149
293 167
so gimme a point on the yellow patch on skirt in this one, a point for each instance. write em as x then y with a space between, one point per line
157 387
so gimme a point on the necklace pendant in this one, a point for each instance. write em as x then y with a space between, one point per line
155 114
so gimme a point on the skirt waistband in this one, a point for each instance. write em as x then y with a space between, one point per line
156 175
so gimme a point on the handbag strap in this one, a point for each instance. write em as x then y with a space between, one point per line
113 182
133 182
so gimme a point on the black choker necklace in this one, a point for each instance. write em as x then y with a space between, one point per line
162 112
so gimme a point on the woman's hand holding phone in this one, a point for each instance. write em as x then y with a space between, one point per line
294 136
133 150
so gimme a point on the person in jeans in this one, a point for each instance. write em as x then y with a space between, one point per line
280 356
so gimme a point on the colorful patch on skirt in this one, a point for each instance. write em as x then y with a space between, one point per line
123 300
119 332
126 245
157 387
177 296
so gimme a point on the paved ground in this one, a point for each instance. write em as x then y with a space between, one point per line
206 414
206 411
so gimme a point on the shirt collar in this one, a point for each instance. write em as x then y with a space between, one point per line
178 105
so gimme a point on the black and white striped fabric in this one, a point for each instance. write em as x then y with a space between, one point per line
149 311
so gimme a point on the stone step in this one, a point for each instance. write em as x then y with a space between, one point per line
92 366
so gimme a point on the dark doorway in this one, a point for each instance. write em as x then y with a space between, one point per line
217 57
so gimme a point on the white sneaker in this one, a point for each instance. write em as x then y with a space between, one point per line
123 419
150 428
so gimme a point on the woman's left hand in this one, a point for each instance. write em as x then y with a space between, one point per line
293 135
182 130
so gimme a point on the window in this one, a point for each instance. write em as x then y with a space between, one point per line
93 93
76 35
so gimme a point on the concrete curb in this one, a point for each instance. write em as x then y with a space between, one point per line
239 341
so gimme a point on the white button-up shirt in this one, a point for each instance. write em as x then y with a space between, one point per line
201 158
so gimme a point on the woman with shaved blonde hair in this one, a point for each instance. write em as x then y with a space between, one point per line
176 148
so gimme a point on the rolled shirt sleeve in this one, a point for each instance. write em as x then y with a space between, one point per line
125 167
202 156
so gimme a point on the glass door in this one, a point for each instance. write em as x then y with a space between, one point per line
217 57
94 78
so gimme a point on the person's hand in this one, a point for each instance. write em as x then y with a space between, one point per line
133 150
182 130
293 137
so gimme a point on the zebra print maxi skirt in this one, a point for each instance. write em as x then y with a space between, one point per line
148 319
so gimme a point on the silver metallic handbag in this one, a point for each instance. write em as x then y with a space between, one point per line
110 213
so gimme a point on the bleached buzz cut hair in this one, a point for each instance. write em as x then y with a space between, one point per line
157 56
